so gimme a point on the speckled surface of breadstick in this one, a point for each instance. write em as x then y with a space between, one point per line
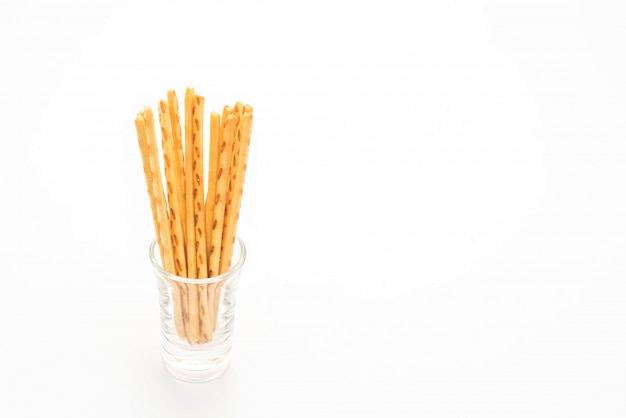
224 157
190 236
140 126
208 317
193 325
162 217
213 166
225 154
230 224
179 162
159 193
228 212
173 190
198 187
235 191
199 215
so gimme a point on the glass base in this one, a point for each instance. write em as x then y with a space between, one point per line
195 363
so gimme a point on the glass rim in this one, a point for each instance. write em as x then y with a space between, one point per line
234 270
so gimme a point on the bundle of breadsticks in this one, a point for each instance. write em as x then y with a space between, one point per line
195 232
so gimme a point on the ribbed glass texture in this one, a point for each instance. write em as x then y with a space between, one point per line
197 318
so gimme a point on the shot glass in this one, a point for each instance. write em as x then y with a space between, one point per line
197 318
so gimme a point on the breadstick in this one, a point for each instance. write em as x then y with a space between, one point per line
230 225
179 162
173 191
225 154
140 126
162 218
233 166
226 136
218 223
157 184
193 325
190 236
199 215
213 163
240 162
228 212
208 318
198 187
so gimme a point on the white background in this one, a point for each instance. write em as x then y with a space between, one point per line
434 206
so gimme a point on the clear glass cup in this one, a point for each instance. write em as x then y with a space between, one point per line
197 317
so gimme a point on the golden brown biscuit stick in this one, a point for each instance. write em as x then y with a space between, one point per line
230 224
193 325
213 165
199 215
224 156
190 236
179 162
159 193
198 187
215 128
140 126
173 190
228 209
237 110
162 218
240 162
